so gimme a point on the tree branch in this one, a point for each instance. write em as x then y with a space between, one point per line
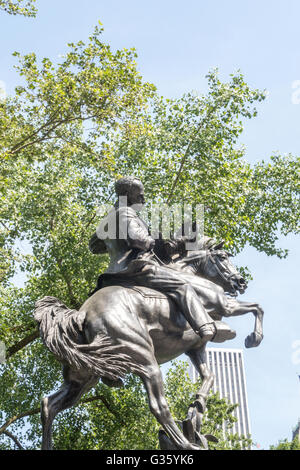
3 224
74 302
19 416
9 434
18 147
185 155
21 344
34 411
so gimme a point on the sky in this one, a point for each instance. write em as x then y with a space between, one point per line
177 44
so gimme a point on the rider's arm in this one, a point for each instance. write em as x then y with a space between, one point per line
96 245
175 246
137 231
138 236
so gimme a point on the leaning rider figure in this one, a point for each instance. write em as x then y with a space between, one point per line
133 261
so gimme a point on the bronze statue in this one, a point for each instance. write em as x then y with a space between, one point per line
144 312
133 259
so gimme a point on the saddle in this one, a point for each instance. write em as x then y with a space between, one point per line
149 293
107 279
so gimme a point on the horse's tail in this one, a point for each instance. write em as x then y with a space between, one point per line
61 330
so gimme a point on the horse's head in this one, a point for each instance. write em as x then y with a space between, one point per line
220 270
214 264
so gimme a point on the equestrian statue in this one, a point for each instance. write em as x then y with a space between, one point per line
156 301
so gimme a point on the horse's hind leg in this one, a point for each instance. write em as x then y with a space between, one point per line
196 411
74 386
159 407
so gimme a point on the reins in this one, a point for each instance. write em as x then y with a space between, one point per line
226 278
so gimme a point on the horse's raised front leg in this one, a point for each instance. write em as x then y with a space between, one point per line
159 407
241 308
74 386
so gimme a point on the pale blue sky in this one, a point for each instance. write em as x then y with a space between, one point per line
177 43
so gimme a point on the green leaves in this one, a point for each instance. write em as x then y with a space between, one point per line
284 444
187 150
75 102
181 391
19 7
112 419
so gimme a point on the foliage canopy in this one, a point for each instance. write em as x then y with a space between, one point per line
19 7
284 444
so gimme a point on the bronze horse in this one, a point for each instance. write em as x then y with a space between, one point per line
120 330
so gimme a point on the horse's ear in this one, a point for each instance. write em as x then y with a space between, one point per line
219 245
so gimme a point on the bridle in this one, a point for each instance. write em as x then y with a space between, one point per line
226 276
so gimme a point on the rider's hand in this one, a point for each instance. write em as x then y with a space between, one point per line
176 246
181 244
170 247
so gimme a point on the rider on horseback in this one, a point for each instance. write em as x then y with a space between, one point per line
133 261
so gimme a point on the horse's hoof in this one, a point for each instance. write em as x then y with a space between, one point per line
211 438
202 441
253 340
195 447
166 443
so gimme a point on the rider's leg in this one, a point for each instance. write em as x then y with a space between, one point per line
183 294
193 310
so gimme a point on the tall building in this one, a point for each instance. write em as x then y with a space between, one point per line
230 382
296 431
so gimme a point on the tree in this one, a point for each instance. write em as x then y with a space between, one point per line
287 445
187 150
65 136
19 7
51 169
115 419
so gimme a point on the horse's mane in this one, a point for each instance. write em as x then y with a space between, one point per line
204 245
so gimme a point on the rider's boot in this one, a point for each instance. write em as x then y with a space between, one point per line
207 331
